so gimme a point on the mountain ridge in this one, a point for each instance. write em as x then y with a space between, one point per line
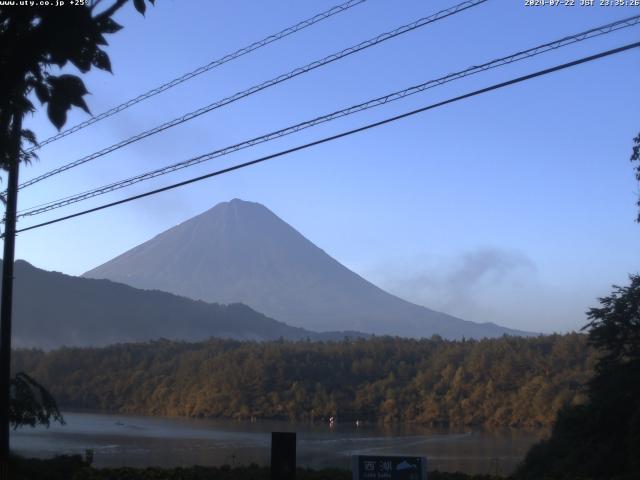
52 309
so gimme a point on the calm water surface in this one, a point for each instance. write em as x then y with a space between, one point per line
120 440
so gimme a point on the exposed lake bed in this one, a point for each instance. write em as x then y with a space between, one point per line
137 441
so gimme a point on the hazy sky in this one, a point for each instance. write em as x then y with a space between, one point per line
515 207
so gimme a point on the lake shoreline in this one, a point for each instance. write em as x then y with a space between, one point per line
143 441
445 427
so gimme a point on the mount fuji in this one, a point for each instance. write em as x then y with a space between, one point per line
241 252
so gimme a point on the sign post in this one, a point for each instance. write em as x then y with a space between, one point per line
283 456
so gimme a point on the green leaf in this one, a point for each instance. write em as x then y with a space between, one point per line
57 114
140 6
25 105
82 59
79 102
42 92
29 136
101 61
100 40
107 25
66 90
67 85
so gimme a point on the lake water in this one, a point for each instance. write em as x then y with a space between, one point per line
120 440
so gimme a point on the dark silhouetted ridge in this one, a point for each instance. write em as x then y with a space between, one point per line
52 309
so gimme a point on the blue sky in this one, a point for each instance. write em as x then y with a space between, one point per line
515 207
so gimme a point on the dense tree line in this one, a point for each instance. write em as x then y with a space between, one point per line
508 381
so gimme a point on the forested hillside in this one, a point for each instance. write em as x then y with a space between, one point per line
495 382
76 311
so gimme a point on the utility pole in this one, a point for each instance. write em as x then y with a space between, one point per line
6 299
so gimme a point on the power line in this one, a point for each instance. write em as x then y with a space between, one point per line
538 50
601 30
269 83
205 68
497 86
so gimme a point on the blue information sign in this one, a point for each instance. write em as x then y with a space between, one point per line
366 467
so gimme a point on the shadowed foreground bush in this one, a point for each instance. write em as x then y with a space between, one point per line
74 468
601 438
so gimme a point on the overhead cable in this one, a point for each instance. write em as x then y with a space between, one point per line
497 86
521 55
205 68
262 86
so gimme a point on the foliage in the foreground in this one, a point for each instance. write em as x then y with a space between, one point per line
635 157
495 382
601 439
36 39
65 467
31 404
74 468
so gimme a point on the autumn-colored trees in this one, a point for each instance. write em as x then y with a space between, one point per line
499 382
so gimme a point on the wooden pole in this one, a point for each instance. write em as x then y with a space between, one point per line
6 299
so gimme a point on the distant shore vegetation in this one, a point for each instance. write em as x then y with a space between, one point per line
502 382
